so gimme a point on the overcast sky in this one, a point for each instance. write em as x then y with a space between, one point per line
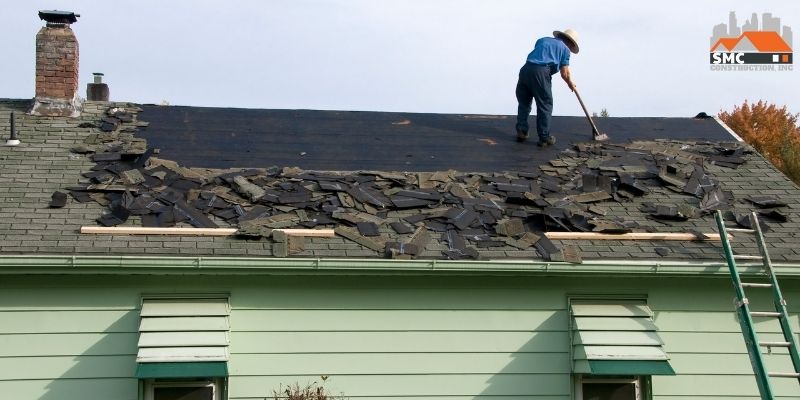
442 56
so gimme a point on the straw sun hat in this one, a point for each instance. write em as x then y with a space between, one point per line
571 37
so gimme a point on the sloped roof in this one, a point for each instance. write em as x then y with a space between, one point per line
763 41
728 43
383 141
45 163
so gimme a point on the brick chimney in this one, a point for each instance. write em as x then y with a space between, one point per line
57 66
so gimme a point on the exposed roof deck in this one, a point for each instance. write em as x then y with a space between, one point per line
383 141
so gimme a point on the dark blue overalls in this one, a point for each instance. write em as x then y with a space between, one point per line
535 82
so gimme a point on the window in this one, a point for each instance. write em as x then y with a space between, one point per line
183 390
610 388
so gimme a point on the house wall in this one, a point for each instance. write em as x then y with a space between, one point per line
66 337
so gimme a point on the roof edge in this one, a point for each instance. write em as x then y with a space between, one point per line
728 128
148 265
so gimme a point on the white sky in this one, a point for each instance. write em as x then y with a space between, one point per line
442 56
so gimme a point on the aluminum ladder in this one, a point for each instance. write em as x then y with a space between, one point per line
745 315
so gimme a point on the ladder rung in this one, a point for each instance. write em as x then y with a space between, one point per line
757 285
775 344
742 230
784 374
744 257
765 314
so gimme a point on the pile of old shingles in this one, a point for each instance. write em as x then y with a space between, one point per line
469 211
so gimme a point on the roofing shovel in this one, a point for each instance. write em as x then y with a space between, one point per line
596 135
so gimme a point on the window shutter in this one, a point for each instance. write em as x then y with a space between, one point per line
616 338
184 330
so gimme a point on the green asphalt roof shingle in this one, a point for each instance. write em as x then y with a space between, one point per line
43 164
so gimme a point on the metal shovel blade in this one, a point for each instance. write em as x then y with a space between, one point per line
599 137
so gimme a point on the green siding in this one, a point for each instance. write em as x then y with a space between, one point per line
96 321
398 363
705 345
726 364
69 367
402 342
712 321
445 338
78 389
714 342
697 386
417 385
397 320
422 294
68 344
50 297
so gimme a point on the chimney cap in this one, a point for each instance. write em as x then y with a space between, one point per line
59 17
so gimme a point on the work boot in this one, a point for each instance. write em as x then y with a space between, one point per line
549 141
521 135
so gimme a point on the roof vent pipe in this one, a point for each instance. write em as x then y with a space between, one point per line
97 91
12 141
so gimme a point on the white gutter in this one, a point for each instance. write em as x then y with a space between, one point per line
113 265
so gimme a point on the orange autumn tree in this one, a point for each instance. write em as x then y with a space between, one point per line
771 130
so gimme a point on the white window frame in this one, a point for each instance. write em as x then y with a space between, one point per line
151 384
581 379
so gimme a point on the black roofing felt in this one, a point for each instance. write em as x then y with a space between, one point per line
385 141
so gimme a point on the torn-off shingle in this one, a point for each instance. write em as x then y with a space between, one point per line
58 200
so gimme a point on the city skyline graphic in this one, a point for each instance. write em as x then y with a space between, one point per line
731 33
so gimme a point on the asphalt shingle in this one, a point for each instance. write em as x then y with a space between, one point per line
44 164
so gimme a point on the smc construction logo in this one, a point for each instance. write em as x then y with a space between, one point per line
752 47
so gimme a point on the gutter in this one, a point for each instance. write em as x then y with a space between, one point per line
144 265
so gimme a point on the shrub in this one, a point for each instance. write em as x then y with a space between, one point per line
772 131
311 391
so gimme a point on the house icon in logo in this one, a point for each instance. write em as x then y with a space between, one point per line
751 44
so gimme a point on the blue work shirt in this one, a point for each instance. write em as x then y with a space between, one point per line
550 51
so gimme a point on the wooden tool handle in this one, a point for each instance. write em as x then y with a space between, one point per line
585 111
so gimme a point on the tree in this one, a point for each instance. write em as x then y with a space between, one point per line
771 130
603 113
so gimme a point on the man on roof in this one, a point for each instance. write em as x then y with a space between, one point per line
549 55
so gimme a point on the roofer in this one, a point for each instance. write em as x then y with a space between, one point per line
549 55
